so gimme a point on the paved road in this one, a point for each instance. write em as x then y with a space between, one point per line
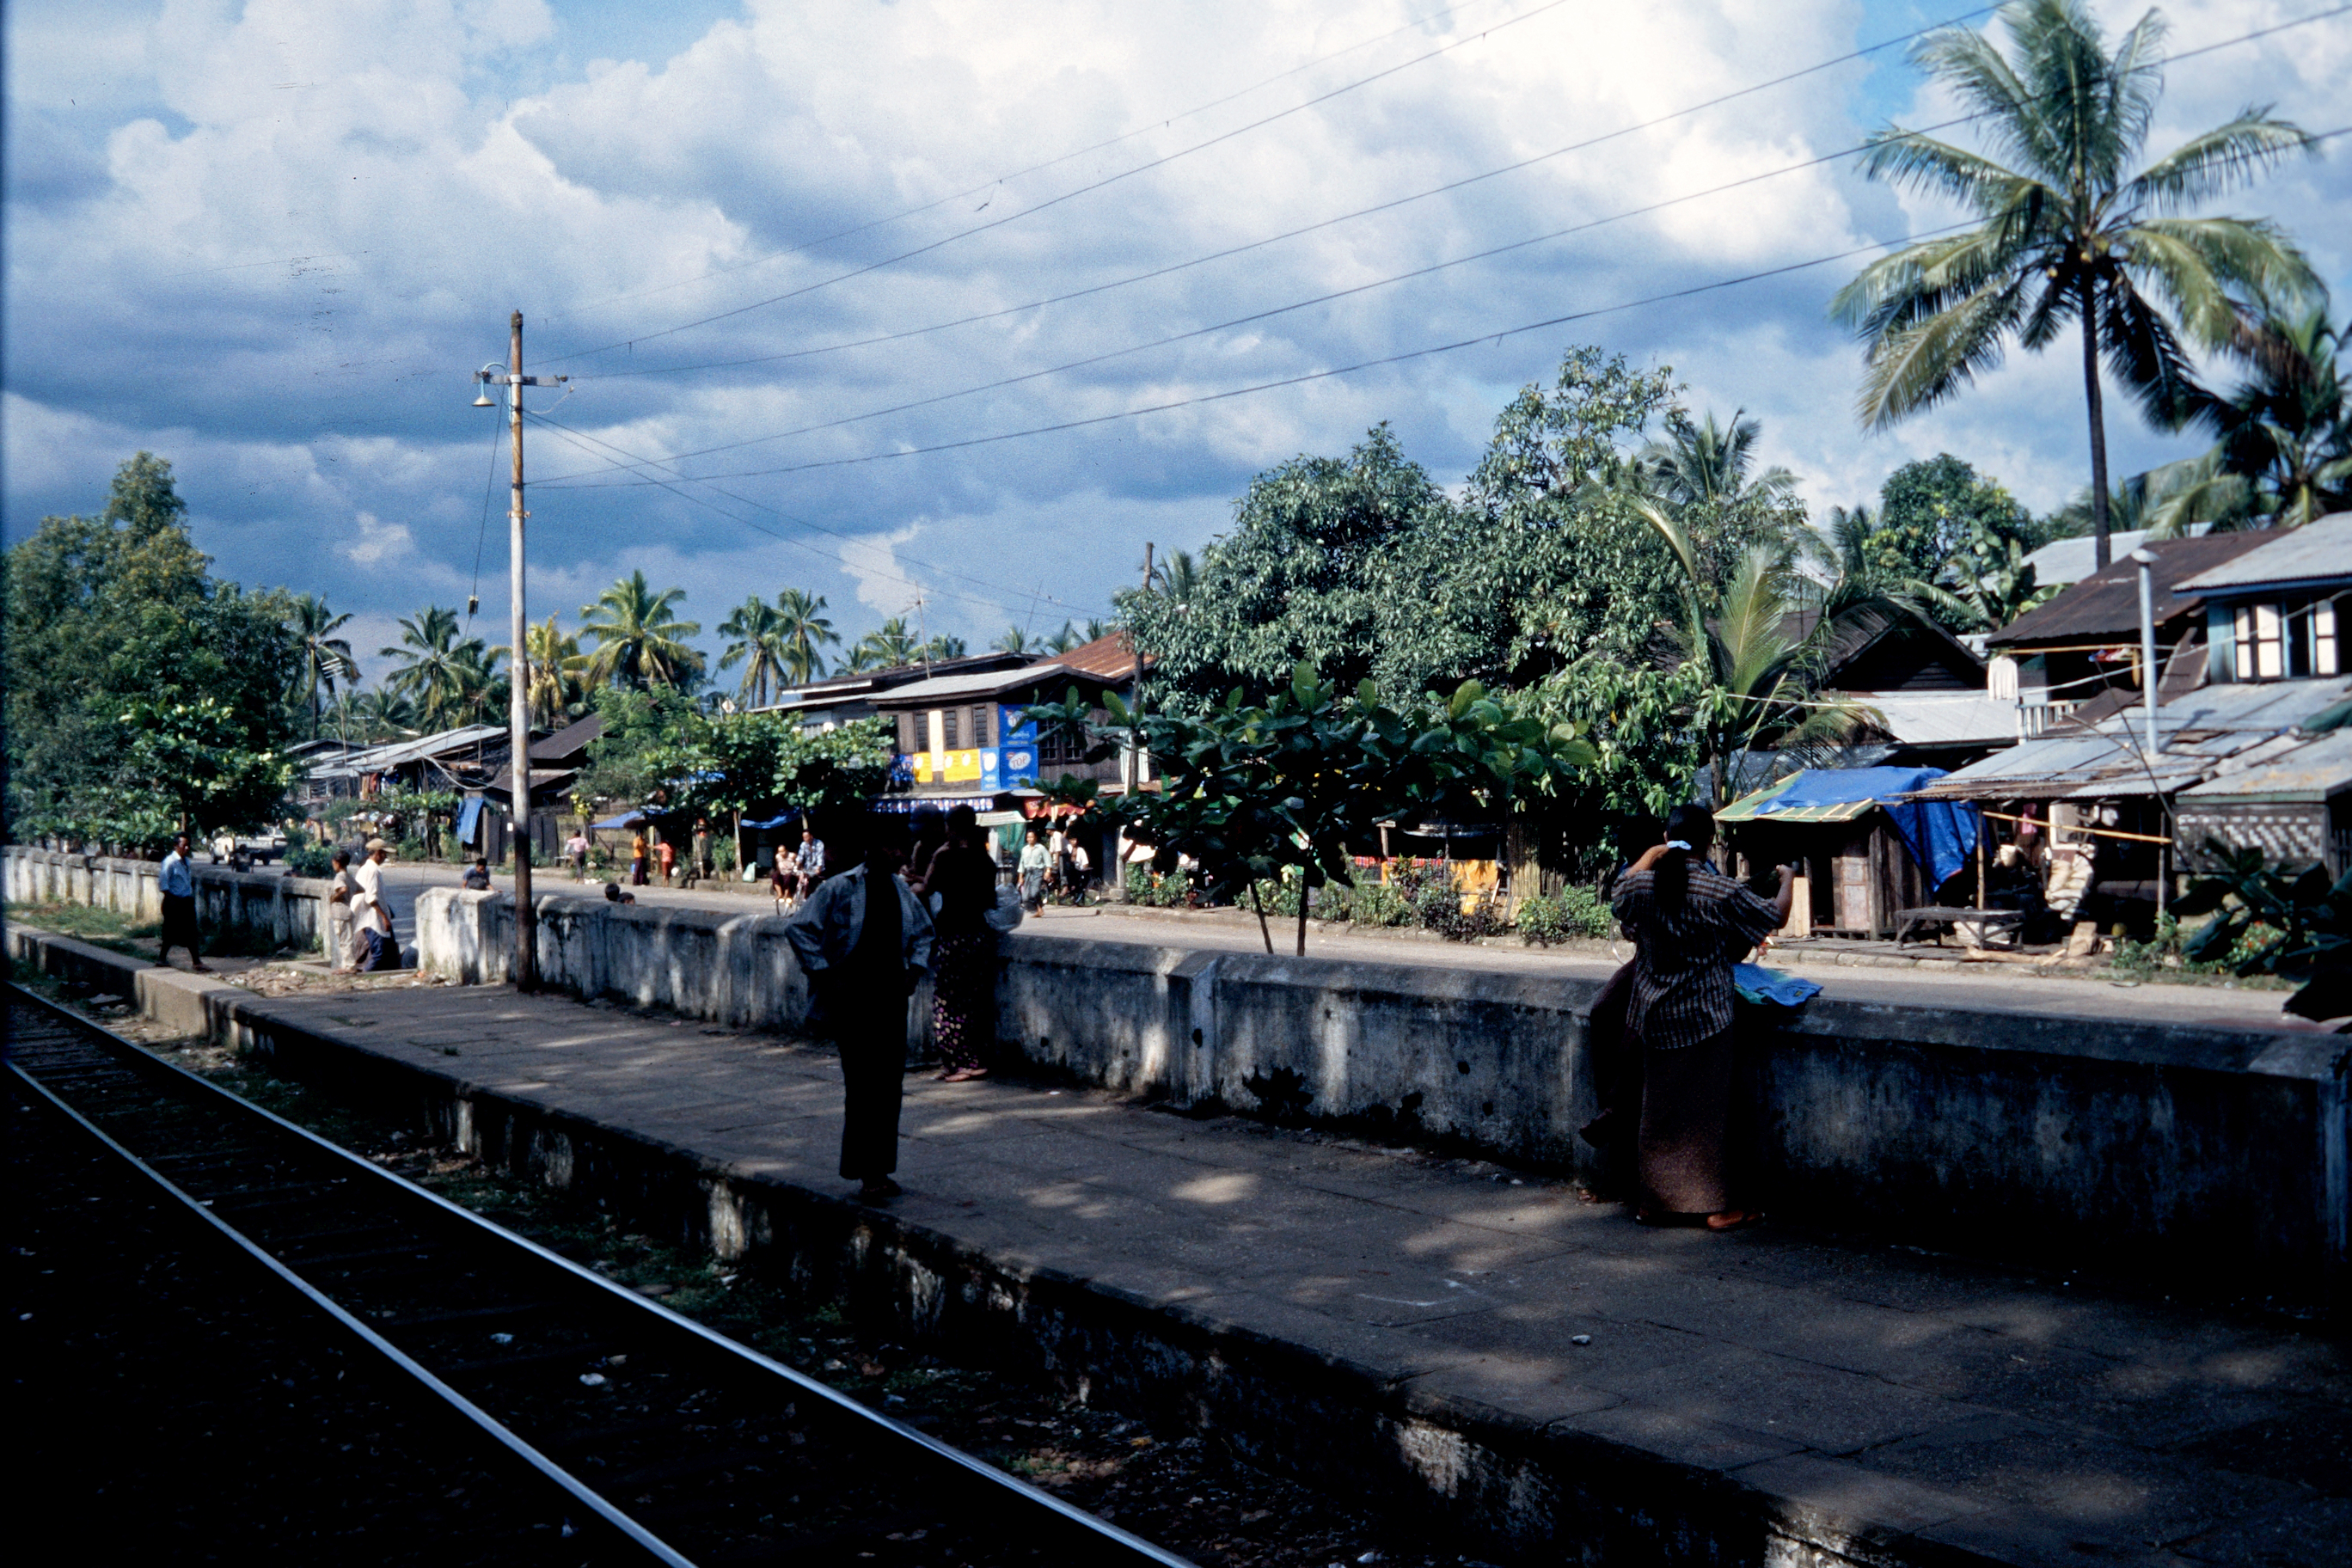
1981 1408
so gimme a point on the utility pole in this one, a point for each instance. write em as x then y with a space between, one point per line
526 954
1135 696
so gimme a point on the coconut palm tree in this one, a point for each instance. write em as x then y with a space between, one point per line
862 656
1177 577
325 658
640 641
434 668
758 645
805 629
1064 640
1703 463
941 647
558 690
1014 640
891 644
383 715
483 694
2286 430
2068 233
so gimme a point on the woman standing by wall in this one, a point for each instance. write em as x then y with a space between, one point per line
962 876
1690 924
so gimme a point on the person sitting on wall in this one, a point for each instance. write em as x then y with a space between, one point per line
477 876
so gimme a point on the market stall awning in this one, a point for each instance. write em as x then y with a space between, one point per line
1767 803
626 819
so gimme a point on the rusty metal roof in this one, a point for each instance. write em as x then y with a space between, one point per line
2105 605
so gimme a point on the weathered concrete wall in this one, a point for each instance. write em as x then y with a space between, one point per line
287 909
2144 1147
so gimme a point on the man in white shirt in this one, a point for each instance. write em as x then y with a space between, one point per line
178 882
372 915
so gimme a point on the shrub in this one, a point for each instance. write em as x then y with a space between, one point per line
310 859
1575 910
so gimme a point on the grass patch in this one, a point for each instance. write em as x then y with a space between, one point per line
100 927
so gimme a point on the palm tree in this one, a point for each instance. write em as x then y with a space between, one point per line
432 669
384 715
759 647
2167 500
863 657
2067 234
944 647
558 688
2287 431
483 694
1064 640
1707 463
804 630
1179 577
639 640
325 658
891 644
1990 576
1014 640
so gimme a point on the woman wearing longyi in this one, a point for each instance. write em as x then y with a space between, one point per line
1689 925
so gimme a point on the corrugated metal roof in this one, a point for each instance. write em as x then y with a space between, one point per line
2321 549
376 759
945 688
571 739
2105 605
1936 718
2315 770
2064 561
1108 657
2202 735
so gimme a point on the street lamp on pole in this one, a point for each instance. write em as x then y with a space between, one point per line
526 954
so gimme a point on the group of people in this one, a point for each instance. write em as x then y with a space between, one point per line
358 921
1054 864
792 876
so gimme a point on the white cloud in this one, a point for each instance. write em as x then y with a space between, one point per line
273 242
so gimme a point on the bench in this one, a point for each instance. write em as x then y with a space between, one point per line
1943 917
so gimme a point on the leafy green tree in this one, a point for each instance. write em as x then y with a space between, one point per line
640 640
2069 234
325 658
107 612
1930 509
197 755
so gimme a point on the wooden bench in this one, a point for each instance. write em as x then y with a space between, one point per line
1943 917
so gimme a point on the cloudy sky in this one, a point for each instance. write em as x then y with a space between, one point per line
815 254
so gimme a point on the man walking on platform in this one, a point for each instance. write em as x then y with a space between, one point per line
178 882
863 940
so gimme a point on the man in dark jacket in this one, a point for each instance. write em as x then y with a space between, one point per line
864 939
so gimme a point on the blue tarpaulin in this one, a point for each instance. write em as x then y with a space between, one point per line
786 820
468 815
626 819
1941 835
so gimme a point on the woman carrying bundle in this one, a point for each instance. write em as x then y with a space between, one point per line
1689 925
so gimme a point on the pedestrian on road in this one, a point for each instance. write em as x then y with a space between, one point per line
864 939
667 852
1033 861
344 947
1690 924
960 884
637 859
369 909
178 882
705 867
575 850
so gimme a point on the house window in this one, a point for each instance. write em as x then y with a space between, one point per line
979 727
949 733
2260 653
2326 648
908 746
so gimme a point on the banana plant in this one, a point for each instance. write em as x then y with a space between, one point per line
2310 920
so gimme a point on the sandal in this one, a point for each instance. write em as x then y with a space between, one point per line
1733 1219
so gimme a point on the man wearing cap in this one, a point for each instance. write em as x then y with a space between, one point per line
369 912
864 939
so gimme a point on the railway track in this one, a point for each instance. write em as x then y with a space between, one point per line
661 1440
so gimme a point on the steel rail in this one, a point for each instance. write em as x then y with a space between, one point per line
1127 1545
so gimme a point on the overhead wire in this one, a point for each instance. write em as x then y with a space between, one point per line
584 441
1382 282
1159 123
1056 201
1231 251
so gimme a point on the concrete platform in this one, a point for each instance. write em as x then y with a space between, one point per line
1406 1326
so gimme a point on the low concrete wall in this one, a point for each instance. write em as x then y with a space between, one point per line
2144 1148
289 911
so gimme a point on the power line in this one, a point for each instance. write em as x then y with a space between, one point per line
1066 196
1232 251
1383 282
1304 377
1124 136
583 439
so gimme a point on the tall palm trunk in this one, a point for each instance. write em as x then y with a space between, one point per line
2099 551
